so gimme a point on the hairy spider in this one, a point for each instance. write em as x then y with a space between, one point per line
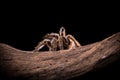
55 41
64 40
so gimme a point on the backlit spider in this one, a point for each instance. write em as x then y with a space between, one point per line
55 41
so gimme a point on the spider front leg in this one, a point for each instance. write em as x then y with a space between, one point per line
54 43
42 44
51 35
62 34
73 43
60 43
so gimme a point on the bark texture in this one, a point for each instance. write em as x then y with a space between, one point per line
58 65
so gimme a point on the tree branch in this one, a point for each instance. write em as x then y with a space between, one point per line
58 65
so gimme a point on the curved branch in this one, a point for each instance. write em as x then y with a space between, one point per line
58 65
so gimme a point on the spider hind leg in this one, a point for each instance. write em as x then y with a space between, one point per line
73 42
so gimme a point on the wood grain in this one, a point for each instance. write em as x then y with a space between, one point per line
58 65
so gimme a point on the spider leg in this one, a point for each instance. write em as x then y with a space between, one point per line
60 43
73 42
51 35
62 32
54 44
42 44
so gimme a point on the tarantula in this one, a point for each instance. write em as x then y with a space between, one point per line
55 41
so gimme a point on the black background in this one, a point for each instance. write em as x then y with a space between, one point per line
24 28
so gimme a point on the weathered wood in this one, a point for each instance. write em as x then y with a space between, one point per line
58 65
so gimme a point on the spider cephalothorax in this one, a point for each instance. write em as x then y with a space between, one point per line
60 41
